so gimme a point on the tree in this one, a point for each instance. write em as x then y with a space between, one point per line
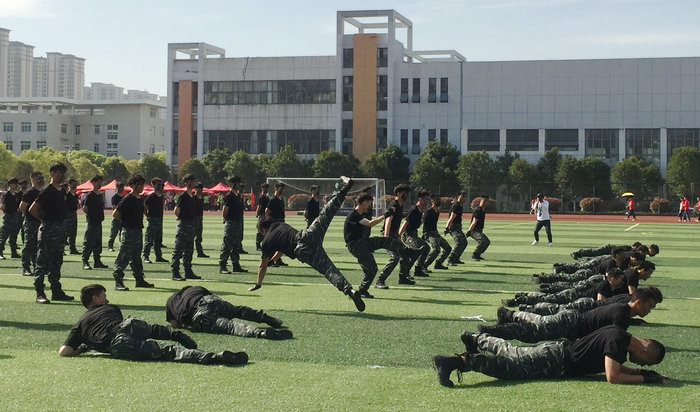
151 166
683 170
397 162
214 162
7 162
634 174
567 177
477 173
332 163
194 167
21 170
436 168
547 168
502 165
42 159
94 157
595 178
131 166
375 166
286 163
85 169
241 164
115 168
521 175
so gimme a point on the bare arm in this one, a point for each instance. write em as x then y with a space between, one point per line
175 324
262 269
224 212
631 289
23 206
471 226
268 212
618 373
403 227
450 220
66 350
145 209
371 223
35 210
600 297
177 211
387 225
116 214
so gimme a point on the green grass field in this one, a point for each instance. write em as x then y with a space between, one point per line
341 359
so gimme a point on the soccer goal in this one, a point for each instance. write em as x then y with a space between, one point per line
298 191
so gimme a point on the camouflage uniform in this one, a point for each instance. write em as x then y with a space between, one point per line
215 315
482 242
115 230
154 237
231 244
49 257
564 296
532 328
599 251
580 304
593 262
559 286
362 249
31 240
184 246
419 246
581 274
460 243
436 243
198 224
9 230
92 241
129 252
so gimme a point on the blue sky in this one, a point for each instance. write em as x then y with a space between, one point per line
125 42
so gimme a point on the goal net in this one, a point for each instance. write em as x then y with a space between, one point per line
298 191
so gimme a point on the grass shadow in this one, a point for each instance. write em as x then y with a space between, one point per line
36 326
372 316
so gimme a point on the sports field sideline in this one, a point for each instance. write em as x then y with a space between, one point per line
340 359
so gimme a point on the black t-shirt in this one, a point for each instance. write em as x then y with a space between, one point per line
457 209
53 204
116 199
131 210
631 277
30 197
604 289
10 201
263 201
155 205
182 304
280 237
276 206
366 230
610 263
235 207
396 216
587 355
95 208
480 215
198 206
353 230
612 314
312 209
95 328
414 219
18 196
430 219
71 203
186 205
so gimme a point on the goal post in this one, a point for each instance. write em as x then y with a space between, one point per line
326 185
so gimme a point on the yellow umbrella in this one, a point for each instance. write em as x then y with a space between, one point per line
628 194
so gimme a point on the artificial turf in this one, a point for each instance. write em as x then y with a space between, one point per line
341 359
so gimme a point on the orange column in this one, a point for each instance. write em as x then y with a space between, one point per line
364 105
184 122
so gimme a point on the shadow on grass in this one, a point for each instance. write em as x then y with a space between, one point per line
372 316
6 357
434 301
672 349
36 326
664 325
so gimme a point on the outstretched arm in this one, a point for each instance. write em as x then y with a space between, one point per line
262 269
371 223
66 350
618 373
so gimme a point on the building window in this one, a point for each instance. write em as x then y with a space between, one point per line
382 57
432 90
152 131
382 92
404 140
64 128
96 148
152 149
97 129
404 90
443 136
432 135
40 144
415 144
25 145
26 126
77 129
643 143
154 112
247 92
483 139
41 126
381 134
7 126
161 131
347 136
112 148
8 145
348 57
564 139
443 90
347 93
416 91
602 143
682 137
112 133
76 146
522 139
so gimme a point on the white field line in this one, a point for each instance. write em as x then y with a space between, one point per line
632 227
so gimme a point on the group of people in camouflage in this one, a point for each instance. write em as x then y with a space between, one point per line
587 306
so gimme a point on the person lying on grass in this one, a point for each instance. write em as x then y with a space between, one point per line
104 329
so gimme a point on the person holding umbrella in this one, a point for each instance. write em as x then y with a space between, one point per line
630 206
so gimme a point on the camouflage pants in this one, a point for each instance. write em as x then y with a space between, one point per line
532 328
362 249
581 305
70 226
231 244
31 239
154 237
114 232
133 340
92 241
579 275
198 228
184 247
215 315
419 246
129 253
258 236
559 286
49 256
604 250
9 231
482 242
309 247
403 260
436 243
591 263
547 227
565 296
460 244
500 359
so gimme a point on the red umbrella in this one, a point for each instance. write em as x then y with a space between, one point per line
169 187
220 188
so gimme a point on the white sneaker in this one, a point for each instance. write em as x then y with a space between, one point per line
534 242
550 243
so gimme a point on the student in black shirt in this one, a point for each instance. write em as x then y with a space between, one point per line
10 222
31 224
153 209
198 199
49 208
307 245
116 228
651 250
275 210
70 223
391 229
130 212
476 229
93 206
642 271
604 350
432 236
312 206
202 311
184 235
409 234
104 329
233 217
261 206
454 228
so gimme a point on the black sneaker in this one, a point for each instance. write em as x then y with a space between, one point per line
192 276
161 260
119 285
239 269
451 263
147 260
42 299
420 274
100 265
16 256
27 272
280 263
477 258
380 285
407 281
202 255
444 365
75 252
366 295
272 321
440 266
86 266
459 262
470 342
243 252
356 298
224 271
141 283
277 334
509 302
176 277
225 358
504 315
61 296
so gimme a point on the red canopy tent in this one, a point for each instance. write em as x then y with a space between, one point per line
219 188
86 186
169 187
147 189
112 186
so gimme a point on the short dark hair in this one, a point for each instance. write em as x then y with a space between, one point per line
461 193
659 351
638 256
436 199
13 181
485 197
34 175
265 223
264 185
188 178
72 182
540 196
658 297
136 179
120 185
423 193
654 248
58 167
23 182
642 249
88 292
199 185
636 245
280 185
314 187
403 187
615 273
155 181
363 197
234 180
96 178
645 294
646 265
616 251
